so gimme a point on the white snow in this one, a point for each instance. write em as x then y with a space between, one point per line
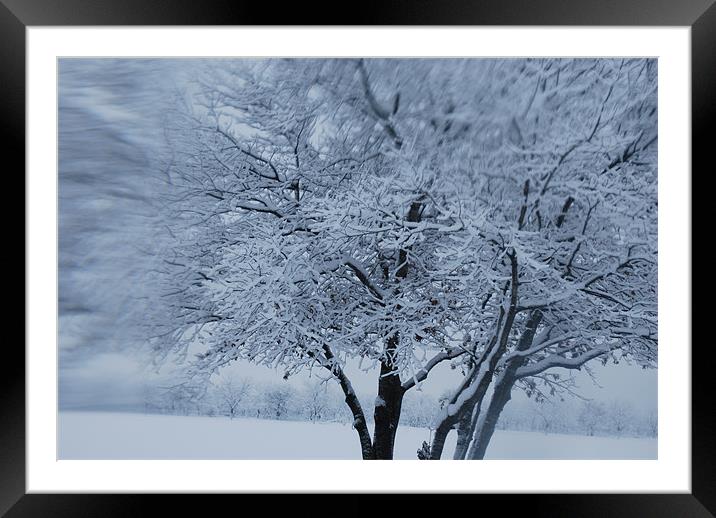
100 435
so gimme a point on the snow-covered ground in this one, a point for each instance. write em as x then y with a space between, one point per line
102 435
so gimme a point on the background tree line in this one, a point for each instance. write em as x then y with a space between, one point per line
312 401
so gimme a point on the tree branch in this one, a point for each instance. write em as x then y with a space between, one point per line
560 361
422 374
362 276
381 113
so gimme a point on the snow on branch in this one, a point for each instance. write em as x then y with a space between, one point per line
560 361
422 374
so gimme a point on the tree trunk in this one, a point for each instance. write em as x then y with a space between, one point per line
484 428
441 433
390 388
388 405
481 376
464 435
359 423
465 410
448 421
469 423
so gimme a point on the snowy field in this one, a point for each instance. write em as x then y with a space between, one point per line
99 435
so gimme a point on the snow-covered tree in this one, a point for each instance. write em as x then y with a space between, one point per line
230 392
592 417
651 423
500 214
277 400
621 417
316 401
180 399
573 241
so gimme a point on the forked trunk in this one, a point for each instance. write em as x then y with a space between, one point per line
467 429
485 427
466 410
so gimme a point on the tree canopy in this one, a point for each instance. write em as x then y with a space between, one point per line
499 214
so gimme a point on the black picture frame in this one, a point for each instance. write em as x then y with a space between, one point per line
16 15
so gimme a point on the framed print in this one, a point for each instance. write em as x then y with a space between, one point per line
260 256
